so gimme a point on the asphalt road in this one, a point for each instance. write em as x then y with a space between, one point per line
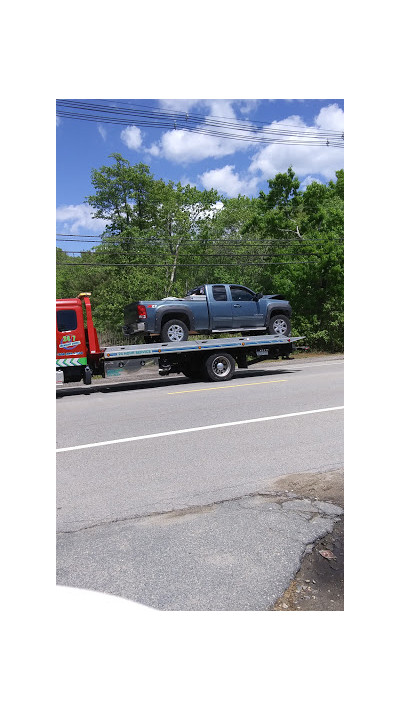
166 489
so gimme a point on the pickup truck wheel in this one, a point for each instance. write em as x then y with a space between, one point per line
174 330
279 326
219 366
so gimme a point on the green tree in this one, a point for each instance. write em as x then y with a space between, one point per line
303 236
284 241
150 222
124 196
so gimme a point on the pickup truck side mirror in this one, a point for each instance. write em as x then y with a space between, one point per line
258 296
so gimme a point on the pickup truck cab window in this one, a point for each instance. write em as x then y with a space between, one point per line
66 320
239 293
198 291
219 293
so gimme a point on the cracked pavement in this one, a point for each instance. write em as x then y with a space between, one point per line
238 554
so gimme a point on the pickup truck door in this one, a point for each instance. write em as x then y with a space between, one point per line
246 313
220 308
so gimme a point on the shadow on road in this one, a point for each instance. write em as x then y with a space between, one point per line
155 381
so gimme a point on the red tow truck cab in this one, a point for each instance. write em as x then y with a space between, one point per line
78 353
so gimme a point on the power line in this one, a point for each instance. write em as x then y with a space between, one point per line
240 255
198 124
149 113
190 240
155 110
308 141
129 264
203 116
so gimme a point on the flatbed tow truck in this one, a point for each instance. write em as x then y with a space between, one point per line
79 356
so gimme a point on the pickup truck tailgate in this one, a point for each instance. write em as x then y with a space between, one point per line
131 313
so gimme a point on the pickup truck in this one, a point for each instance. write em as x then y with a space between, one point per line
207 309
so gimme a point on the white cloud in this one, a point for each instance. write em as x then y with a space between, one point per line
330 118
248 105
73 218
187 181
305 159
154 150
178 104
186 147
307 181
102 131
222 108
132 137
228 182
58 120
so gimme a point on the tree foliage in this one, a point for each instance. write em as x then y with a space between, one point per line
171 237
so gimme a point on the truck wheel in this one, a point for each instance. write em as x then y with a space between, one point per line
174 330
219 366
192 372
87 376
279 326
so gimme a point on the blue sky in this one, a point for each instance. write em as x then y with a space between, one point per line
207 161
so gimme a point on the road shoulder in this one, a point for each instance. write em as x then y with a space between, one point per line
319 582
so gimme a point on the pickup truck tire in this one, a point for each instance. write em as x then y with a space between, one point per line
279 325
219 366
174 330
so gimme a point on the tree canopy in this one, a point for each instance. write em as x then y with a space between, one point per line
164 238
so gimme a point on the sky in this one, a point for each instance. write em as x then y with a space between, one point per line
229 165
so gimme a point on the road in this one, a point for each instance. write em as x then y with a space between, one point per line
168 490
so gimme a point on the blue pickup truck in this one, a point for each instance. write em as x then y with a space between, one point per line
207 309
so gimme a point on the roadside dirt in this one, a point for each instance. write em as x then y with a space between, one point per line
319 583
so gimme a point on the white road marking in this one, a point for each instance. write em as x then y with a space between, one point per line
197 429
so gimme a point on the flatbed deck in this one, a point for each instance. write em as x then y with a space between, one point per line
158 349
212 358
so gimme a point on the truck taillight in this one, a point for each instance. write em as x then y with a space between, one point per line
141 311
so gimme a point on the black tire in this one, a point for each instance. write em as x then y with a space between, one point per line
279 325
87 377
219 366
192 372
173 331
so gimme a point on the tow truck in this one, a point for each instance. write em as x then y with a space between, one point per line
79 356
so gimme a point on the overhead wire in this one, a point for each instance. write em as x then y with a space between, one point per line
225 240
130 264
198 124
186 118
155 110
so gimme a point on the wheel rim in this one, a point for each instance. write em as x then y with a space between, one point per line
175 333
221 366
280 326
